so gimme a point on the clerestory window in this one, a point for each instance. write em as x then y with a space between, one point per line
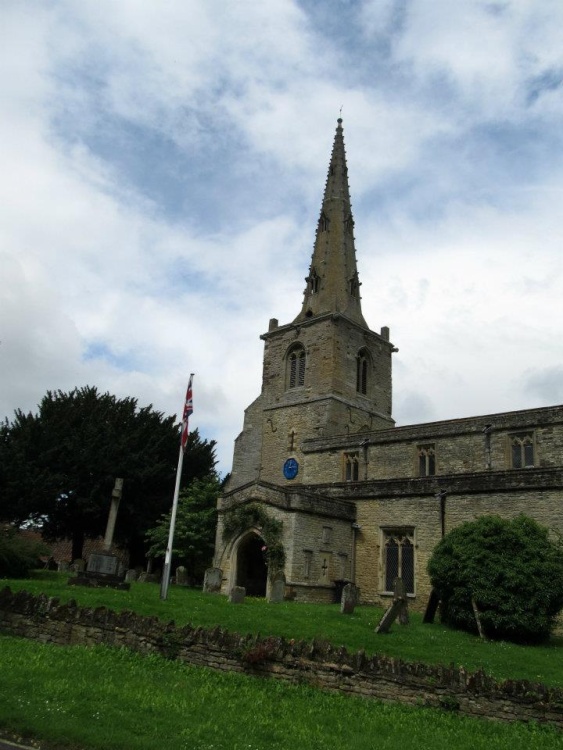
351 467
426 460
522 450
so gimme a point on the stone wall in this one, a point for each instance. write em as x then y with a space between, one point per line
461 446
318 664
412 503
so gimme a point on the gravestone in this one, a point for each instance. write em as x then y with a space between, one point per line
102 570
350 597
78 565
181 576
64 566
104 564
237 595
398 608
277 588
212 580
131 575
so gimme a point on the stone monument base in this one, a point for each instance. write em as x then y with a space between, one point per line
103 571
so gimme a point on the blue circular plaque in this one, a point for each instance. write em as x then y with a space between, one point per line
290 468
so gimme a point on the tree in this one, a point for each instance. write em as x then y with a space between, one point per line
508 573
18 555
194 531
59 466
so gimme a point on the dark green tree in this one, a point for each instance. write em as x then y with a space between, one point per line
59 466
509 570
194 530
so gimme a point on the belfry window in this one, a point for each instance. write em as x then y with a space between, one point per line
362 372
522 450
426 460
398 558
351 467
296 367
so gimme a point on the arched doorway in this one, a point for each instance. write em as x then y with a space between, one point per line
252 572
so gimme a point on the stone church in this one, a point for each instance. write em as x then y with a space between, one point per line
350 496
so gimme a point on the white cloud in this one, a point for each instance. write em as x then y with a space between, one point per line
459 230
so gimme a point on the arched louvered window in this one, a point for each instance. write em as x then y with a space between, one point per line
362 367
296 367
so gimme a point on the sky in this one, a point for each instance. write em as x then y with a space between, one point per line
163 165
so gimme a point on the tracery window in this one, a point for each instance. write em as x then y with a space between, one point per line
296 367
522 450
398 558
426 460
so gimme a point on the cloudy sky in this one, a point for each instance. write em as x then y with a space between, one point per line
162 170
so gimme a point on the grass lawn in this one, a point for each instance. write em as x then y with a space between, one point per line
99 698
415 642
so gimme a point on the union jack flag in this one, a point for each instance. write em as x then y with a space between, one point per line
188 409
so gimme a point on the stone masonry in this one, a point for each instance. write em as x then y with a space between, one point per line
359 498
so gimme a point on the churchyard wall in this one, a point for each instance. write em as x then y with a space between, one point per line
319 664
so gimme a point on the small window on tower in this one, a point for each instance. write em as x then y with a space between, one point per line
296 367
362 372
324 222
354 285
314 281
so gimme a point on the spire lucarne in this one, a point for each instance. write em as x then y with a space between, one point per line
333 284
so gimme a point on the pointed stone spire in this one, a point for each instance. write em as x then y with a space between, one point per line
333 284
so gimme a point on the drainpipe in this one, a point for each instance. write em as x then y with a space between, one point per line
487 429
355 528
441 496
364 444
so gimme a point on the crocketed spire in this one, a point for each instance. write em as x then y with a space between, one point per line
333 284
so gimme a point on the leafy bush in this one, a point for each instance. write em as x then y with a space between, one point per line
509 569
194 535
18 555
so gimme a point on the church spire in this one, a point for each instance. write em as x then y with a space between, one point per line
332 283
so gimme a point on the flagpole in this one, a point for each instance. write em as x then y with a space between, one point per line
188 409
168 557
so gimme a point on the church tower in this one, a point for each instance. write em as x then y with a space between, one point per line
325 373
